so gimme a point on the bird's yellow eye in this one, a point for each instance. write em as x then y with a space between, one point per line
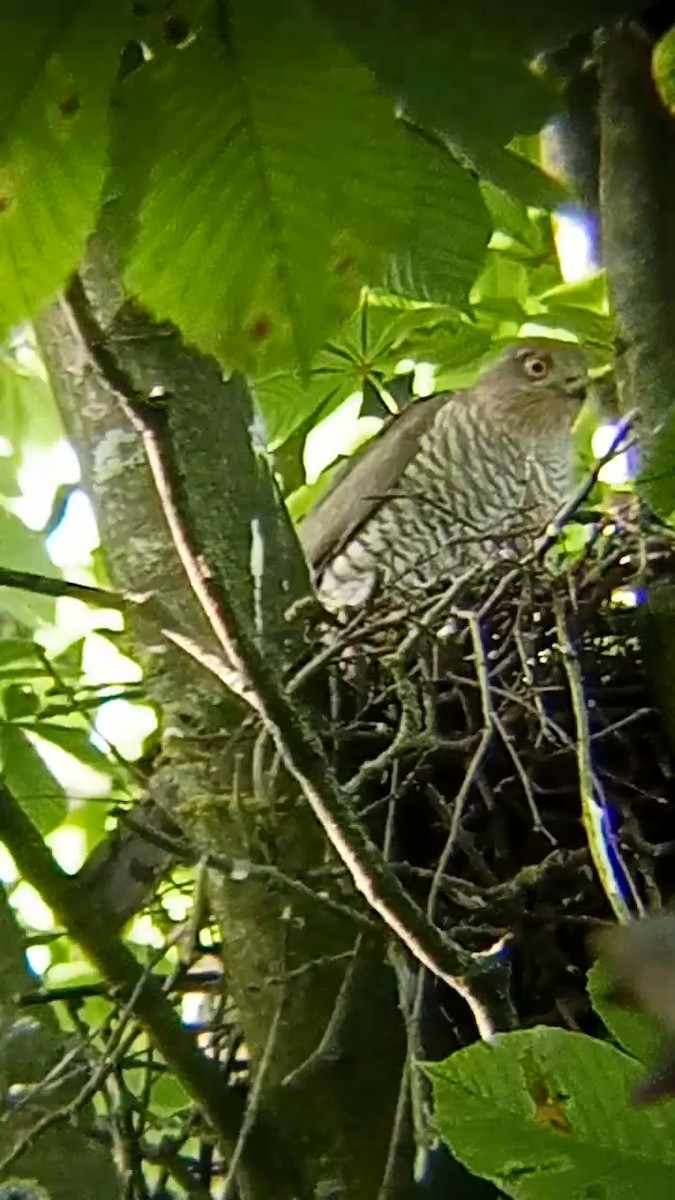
536 366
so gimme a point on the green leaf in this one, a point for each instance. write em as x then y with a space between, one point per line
74 741
286 401
511 216
28 412
590 293
264 179
19 701
446 65
9 483
21 549
304 498
16 650
545 1114
384 329
509 170
394 326
168 1096
502 279
528 28
663 65
58 60
636 1033
447 230
27 777
589 327
459 355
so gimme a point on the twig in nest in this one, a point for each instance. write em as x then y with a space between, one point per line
409 735
329 1048
241 870
537 822
476 759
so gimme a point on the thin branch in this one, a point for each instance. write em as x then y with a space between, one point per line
241 870
476 758
45 585
329 1046
223 1107
254 1097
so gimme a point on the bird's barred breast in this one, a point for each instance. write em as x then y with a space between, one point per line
471 494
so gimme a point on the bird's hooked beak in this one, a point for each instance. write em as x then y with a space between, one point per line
577 387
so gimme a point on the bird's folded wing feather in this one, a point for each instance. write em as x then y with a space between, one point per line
364 482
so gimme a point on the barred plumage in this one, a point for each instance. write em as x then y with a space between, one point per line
454 481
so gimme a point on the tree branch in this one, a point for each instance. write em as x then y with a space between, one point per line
637 137
223 1107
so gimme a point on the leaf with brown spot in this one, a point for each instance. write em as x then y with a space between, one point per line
58 62
546 1114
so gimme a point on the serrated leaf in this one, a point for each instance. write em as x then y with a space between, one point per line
393 326
546 1115
29 780
58 60
636 1033
502 279
511 216
266 179
384 329
286 401
521 176
447 229
527 29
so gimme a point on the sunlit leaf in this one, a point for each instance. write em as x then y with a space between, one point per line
265 178
18 701
546 1115
27 777
74 741
28 413
382 331
23 550
58 60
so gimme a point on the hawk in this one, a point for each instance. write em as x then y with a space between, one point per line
453 482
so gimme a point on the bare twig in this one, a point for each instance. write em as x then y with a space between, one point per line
253 1101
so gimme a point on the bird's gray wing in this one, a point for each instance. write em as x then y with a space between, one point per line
364 482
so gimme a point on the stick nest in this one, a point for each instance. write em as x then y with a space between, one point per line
470 725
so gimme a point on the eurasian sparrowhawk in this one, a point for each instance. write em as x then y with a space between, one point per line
456 480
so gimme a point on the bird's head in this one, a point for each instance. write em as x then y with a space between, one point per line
539 381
